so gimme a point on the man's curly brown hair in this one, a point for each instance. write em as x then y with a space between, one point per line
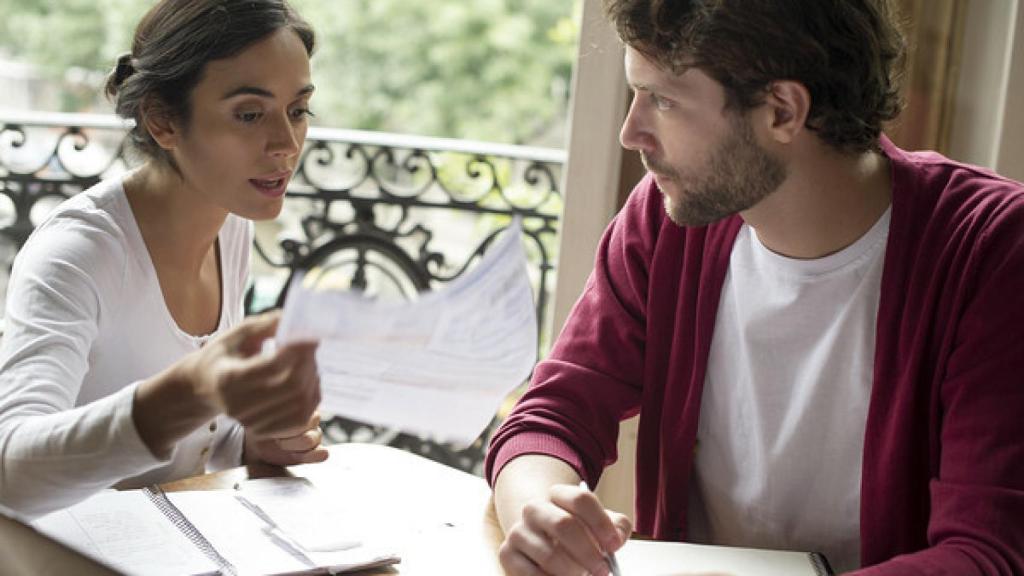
848 53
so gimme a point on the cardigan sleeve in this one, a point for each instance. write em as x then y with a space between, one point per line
976 524
592 378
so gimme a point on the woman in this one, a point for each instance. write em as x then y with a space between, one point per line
125 359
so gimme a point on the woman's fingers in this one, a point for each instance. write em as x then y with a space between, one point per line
274 395
247 337
302 448
304 442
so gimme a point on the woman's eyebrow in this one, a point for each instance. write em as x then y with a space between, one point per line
263 92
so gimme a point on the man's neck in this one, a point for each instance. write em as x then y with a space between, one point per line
828 201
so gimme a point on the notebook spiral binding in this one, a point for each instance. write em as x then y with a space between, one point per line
168 509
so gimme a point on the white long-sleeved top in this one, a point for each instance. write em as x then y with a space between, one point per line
85 322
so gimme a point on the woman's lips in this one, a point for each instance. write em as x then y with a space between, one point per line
272 187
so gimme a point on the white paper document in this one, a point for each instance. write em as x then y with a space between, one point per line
437 366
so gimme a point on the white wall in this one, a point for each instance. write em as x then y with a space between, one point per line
592 171
1011 148
988 122
591 197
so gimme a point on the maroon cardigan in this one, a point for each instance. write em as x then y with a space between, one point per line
942 484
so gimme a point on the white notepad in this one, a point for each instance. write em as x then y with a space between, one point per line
148 532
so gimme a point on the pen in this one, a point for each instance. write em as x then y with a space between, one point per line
281 539
275 534
609 557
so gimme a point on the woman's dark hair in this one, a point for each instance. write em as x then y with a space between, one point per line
848 53
173 43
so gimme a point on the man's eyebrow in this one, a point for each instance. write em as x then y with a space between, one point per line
263 92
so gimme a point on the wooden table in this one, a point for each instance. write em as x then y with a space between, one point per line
441 520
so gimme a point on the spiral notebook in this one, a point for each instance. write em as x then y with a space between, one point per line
150 532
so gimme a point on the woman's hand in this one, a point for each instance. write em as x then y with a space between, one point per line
303 448
274 395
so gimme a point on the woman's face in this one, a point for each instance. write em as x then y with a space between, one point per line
241 144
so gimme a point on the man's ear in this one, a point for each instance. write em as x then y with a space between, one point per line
158 121
788 103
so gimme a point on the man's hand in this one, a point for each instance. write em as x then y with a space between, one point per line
303 448
562 529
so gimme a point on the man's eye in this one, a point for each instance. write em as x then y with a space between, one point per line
661 103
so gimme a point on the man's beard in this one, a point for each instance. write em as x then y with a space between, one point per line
738 175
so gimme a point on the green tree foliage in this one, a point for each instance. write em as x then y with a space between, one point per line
495 70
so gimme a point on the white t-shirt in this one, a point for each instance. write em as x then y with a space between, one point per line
85 322
781 433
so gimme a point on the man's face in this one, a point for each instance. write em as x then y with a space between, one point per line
706 160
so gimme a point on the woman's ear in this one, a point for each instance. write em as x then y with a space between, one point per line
157 120
788 103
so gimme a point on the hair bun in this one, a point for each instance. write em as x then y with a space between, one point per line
124 68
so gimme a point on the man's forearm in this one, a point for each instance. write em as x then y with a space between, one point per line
524 479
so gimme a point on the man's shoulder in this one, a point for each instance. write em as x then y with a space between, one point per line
932 175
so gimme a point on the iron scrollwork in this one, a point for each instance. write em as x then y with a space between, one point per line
386 215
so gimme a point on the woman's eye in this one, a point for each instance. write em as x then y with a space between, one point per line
248 117
300 113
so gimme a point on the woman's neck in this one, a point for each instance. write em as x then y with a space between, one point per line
177 223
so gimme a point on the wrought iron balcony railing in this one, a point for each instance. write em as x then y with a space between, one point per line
388 215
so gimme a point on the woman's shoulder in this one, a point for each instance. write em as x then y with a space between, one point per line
87 228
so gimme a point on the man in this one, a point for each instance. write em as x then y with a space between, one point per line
822 333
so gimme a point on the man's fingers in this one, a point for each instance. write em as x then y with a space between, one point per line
624 527
568 536
515 563
548 556
585 506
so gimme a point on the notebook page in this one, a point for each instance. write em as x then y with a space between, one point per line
240 537
236 534
316 522
677 558
126 531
